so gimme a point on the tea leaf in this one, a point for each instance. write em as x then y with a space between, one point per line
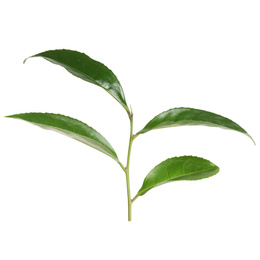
190 116
82 66
70 127
176 169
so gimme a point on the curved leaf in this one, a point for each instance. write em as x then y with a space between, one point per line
176 169
190 116
70 127
82 66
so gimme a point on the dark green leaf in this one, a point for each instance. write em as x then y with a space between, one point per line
70 127
82 66
190 116
176 169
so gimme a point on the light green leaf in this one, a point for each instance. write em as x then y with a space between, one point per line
82 66
70 127
190 116
176 169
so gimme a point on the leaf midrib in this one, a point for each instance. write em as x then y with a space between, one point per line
69 69
84 137
169 180
174 123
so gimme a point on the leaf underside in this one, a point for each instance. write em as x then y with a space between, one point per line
82 66
190 116
70 127
176 169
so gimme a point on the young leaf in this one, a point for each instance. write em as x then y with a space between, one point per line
82 66
176 169
70 127
190 116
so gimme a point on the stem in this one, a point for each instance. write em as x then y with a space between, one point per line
127 168
129 197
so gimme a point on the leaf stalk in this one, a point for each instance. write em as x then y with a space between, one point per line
136 196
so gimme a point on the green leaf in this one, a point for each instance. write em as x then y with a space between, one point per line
70 127
176 169
82 66
190 116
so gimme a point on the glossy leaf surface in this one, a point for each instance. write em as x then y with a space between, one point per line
70 127
176 169
190 116
82 66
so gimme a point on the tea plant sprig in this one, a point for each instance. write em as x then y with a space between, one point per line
173 169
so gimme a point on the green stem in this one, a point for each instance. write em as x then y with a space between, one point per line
127 168
136 196
122 166
129 197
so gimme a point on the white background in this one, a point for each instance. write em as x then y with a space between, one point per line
62 200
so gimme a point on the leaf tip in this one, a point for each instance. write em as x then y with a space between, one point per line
15 116
251 138
28 58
